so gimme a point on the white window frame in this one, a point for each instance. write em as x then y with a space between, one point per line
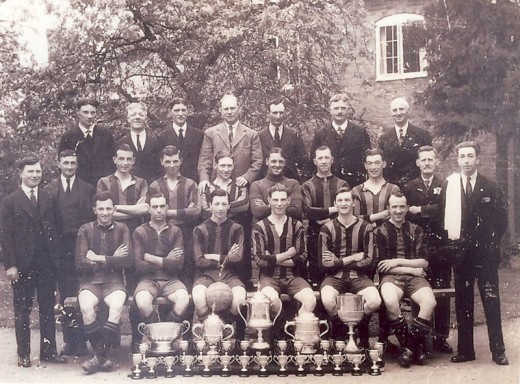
397 21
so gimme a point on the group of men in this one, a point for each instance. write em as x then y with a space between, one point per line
153 216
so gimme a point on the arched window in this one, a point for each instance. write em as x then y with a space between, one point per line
400 52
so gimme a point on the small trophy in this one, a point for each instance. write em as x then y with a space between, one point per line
262 361
282 361
337 359
244 362
300 360
170 361
325 347
282 346
136 359
225 360
318 360
374 356
151 362
188 360
380 347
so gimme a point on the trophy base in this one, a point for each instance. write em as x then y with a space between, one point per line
374 372
260 345
307 350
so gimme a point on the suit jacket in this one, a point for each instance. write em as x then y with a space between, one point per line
428 199
94 161
27 233
484 218
85 192
190 148
246 150
400 158
147 164
348 151
296 158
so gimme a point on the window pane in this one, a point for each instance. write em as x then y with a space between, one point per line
413 41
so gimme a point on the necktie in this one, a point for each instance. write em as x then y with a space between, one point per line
401 135
230 135
277 135
87 136
32 197
181 134
469 190
68 185
139 147
427 183
340 131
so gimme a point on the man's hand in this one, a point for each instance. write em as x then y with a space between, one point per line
233 251
121 251
414 209
386 265
202 185
419 272
141 200
176 253
383 215
321 222
259 202
241 181
328 259
357 257
12 274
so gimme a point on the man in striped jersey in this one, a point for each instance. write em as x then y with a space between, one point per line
103 250
346 250
218 250
279 249
401 263
158 260
318 205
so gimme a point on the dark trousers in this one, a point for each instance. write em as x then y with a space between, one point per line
40 279
440 277
68 284
316 275
486 275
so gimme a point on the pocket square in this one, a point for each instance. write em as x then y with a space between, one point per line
486 199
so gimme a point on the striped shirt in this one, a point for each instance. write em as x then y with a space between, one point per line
267 244
318 195
211 237
147 240
344 241
404 243
238 199
137 189
367 203
184 198
102 241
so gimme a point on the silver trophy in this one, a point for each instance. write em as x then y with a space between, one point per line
350 311
307 329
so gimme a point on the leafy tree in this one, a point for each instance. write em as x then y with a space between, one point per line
126 50
473 55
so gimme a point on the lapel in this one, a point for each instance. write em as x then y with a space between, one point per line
222 132
43 202
476 195
26 204
239 134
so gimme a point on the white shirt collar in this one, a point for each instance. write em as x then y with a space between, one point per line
27 191
405 129
64 181
84 130
272 130
342 126
472 180
176 128
142 138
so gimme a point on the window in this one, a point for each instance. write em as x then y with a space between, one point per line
400 52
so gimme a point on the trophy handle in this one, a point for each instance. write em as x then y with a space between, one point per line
324 322
228 326
194 331
239 305
186 326
140 328
278 314
287 325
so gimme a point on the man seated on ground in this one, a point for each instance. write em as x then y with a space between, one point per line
103 250
159 259
346 253
279 249
218 248
401 257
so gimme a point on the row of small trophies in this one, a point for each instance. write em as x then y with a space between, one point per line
213 348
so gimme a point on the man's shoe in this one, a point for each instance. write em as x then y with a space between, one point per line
107 366
442 346
93 365
55 359
500 359
459 358
69 349
82 349
419 357
24 361
406 358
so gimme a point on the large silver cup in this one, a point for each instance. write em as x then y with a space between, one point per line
350 311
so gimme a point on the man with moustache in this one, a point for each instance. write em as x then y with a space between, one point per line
346 140
423 195
185 137
473 212
401 143
72 198
94 145
28 237
278 134
144 145
318 205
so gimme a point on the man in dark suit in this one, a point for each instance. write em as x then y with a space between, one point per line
474 215
401 143
423 195
72 203
93 144
145 146
184 137
277 134
347 141
28 237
